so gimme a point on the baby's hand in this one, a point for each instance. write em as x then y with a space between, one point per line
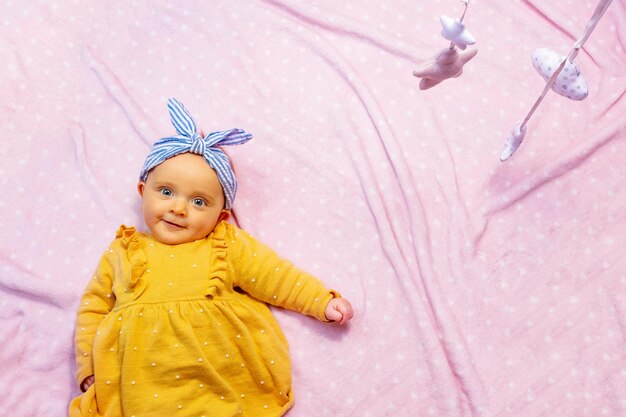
87 382
339 310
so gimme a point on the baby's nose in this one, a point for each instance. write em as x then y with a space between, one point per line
179 206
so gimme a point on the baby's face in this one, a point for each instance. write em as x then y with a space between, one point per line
182 199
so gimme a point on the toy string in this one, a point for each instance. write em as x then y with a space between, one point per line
598 13
466 2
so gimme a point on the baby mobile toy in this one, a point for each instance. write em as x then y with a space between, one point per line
562 75
449 62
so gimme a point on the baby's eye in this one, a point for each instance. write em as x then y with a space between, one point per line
166 192
198 202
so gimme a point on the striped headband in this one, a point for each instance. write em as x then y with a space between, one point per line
188 140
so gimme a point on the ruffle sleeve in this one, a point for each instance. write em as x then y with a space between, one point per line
219 265
137 260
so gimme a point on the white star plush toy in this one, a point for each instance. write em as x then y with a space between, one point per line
454 30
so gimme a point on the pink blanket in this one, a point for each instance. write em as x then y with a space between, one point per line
480 288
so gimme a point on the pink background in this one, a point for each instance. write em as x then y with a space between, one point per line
480 288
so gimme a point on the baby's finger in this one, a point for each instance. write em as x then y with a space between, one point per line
333 314
346 312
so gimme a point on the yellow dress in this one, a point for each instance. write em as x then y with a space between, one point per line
184 330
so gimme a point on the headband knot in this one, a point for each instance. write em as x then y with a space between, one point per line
197 144
189 140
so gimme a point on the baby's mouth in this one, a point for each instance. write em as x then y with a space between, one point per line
172 225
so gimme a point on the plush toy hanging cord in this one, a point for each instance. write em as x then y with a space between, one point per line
571 84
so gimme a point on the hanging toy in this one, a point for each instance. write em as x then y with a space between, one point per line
448 63
562 75
454 30
569 83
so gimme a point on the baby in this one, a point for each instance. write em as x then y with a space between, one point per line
176 322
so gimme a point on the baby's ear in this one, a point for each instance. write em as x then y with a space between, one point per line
224 215
140 187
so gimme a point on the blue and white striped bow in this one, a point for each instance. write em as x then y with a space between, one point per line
188 140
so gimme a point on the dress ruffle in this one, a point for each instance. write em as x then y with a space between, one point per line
137 259
219 266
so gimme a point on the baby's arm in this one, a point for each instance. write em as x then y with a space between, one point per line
96 303
264 275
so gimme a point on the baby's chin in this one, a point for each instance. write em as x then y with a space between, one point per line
177 238
170 238
167 241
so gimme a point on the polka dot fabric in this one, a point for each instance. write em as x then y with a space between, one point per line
480 288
